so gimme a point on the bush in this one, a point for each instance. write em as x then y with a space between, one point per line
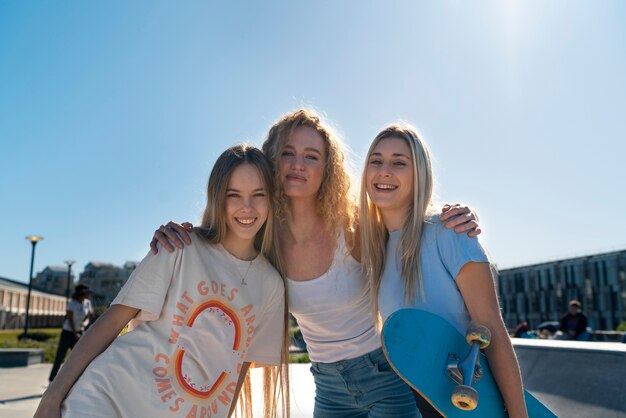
10 339
622 326
299 358
35 336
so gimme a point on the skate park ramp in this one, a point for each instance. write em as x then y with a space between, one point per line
575 379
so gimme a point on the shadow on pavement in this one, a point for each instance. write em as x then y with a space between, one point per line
23 398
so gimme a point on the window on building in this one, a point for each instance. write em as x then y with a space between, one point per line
533 281
596 271
543 281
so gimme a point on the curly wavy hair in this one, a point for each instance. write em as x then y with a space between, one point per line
335 203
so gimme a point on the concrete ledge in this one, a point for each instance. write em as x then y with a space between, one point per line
565 345
20 357
575 378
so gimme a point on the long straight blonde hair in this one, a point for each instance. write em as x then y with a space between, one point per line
374 234
213 229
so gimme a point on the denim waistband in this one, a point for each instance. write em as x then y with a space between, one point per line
369 359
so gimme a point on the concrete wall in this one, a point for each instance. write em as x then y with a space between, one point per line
575 379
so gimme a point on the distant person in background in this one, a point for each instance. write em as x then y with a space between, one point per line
545 334
574 323
521 330
79 312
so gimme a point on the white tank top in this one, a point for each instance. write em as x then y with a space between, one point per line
334 311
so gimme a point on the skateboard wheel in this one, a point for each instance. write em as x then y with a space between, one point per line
478 333
465 397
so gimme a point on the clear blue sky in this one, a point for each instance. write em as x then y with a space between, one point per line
112 113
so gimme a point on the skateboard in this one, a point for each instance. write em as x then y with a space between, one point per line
446 367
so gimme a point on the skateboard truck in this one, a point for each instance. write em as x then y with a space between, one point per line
467 371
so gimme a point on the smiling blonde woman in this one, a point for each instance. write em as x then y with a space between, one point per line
412 260
198 317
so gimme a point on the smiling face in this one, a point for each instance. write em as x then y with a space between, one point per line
246 207
302 163
389 178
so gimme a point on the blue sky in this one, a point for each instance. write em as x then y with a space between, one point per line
112 113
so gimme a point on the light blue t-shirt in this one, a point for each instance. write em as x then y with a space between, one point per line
444 253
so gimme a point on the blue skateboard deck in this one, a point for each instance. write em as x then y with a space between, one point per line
417 344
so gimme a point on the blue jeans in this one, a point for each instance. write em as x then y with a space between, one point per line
361 387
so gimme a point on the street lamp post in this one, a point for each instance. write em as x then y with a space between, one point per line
69 278
34 239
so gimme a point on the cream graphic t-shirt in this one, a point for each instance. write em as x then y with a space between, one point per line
197 324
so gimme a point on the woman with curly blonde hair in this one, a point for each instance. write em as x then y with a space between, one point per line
335 206
326 290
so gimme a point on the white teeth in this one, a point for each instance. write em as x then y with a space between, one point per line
245 221
384 186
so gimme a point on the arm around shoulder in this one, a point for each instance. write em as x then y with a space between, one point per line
170 236
461 218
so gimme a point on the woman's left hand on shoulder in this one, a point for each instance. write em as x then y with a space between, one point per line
460 217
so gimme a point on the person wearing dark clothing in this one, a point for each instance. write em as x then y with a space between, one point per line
521 330
79 311
574 323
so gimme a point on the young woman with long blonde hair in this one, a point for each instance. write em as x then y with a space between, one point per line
198 317
412 260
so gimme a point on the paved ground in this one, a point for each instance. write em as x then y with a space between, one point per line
21 389
572 378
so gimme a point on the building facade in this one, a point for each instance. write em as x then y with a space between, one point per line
541 292
53 279
46 309
105 280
